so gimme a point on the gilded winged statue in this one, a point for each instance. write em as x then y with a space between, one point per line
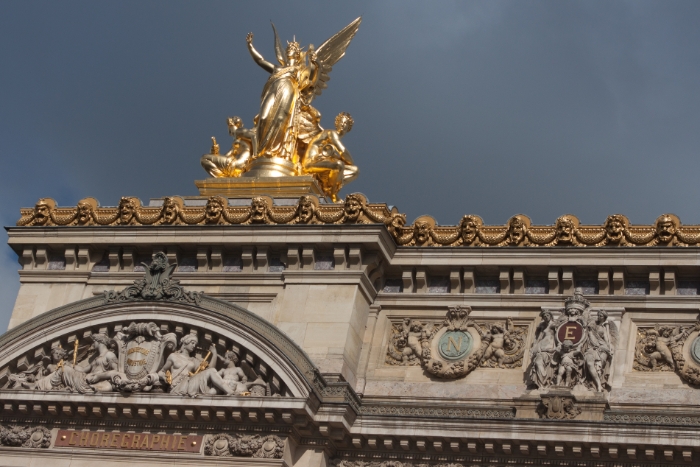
287 130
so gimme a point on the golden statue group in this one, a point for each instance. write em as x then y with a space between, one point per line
287 138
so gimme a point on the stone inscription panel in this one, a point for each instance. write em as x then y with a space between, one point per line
128 441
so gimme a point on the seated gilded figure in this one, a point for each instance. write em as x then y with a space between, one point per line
328 160
235 162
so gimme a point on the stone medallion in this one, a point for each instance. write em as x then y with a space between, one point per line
570 331
455 345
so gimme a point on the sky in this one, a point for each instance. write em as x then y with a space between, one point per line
490 107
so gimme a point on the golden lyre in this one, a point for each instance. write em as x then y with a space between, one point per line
202 366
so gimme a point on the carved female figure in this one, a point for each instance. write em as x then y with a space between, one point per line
102 365
543 350
186 379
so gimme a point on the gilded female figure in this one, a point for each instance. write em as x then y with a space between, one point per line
276 123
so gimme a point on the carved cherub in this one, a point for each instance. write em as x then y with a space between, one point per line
570 362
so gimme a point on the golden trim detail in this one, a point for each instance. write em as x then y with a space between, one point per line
667 230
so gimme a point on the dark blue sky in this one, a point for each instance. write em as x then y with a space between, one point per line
492 108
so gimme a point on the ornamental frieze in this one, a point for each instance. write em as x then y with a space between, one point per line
470 232
574 350
25 436
669 348
454 347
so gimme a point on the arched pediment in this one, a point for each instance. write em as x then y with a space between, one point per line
132 345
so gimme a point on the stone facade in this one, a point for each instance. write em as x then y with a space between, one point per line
366 351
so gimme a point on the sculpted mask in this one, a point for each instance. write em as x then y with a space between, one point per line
665 229
614 228
307 210
258 210
127 210
516 231
214 210
171 211
468 228
565 230
421 232
84 213
42 213
353 208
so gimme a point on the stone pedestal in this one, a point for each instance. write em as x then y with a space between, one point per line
560 403
277 187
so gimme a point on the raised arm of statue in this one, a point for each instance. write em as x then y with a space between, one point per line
264 64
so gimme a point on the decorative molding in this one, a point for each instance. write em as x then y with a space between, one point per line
437 412
559 408
616 231
651 418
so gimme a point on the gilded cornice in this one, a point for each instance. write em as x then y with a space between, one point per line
667 230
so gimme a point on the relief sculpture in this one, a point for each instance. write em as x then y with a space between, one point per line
456 346
669 348
574 350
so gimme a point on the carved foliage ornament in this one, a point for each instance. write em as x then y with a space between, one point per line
575 349
25 436
157 284
558 408
456 346
224 445
471 231
669 348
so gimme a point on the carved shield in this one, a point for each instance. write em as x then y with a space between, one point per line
141 355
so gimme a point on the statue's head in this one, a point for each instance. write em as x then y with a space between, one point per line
42 211
396 223
469 228
344 123
100 339
421 231
58 353
615 226
565 229
231 356
498 328
170 211
576 305
293 51
547 316
258 209
159 262
127 210
516 230
214 209
666 227
353 207
602 316
189 342
567 345
235 122
416 326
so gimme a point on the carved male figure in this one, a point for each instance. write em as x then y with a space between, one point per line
234 376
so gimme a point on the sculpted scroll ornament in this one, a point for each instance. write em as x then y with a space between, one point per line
663 348
455 347
574 350
559 408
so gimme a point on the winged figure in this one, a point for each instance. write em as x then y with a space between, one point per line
287 121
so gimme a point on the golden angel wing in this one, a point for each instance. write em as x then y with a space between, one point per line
279 51
331 51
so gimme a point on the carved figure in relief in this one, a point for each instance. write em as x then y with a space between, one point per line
84 213
187 378
543 350
661 348
569 363
615 227
42 212
127 211
328 159
170 212
584 347
234 376
236 161
504 344
517 231
102 365
565 231
213 213
258 210
469 229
